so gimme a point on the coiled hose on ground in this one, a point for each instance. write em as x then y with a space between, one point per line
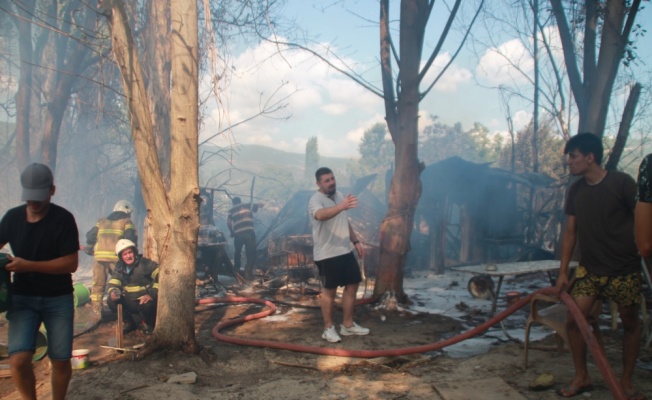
591 341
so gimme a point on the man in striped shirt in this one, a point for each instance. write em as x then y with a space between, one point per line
241 225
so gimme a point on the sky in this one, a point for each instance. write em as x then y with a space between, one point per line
322 102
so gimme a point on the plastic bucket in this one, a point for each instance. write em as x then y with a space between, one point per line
79 358
41 345
81 293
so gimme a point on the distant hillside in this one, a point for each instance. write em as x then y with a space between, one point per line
278 173
255 153
255 157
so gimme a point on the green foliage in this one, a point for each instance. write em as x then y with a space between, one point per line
440 141
375 151
551 152
376 156
542 206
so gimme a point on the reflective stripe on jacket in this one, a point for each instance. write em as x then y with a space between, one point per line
109 231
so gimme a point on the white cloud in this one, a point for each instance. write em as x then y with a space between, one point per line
496 123
355 135
508 63
521 119
334 109
321 101
451 79
511 62
503 134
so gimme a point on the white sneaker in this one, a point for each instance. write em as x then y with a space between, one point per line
354 329
331 335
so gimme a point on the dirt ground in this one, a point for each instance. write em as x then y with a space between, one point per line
226 371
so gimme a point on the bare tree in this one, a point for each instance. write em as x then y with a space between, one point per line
517 84
401 92
538 73
56 42
592 66
165 135
174 213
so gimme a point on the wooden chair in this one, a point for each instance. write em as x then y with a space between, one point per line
554 317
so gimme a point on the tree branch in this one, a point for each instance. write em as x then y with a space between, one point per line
444 35
625 125
352 75
453 57
569 51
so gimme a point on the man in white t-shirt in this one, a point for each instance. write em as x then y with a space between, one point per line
333 238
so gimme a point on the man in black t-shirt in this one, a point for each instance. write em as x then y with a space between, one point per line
44 241
600 219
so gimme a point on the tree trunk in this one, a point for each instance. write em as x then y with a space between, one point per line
623 130
51 46
157 53
176 316
592 92
402 122
141 127
612 48
24 93
157 62
174 218
55 111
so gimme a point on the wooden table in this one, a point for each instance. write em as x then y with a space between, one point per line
514 268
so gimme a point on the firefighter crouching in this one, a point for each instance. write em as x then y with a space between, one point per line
134 284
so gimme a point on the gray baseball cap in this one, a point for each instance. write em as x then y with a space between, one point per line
36 180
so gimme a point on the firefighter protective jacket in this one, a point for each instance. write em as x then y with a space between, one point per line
137 280
106 233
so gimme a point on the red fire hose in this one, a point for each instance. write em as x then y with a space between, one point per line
585 328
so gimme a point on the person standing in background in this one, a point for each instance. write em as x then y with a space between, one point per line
102 239
241 225
44 241
333 239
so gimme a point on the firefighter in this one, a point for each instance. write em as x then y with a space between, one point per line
241 225
101 241
134 284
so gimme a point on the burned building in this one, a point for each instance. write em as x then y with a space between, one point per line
288 242
470 213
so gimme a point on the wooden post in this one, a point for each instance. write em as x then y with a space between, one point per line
119 326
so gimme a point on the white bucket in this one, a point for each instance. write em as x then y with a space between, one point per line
79 358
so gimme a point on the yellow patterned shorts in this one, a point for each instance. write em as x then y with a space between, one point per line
623 289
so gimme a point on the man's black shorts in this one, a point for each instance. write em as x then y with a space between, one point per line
339 271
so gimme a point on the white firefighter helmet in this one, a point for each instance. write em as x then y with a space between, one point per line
122 245
124 206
